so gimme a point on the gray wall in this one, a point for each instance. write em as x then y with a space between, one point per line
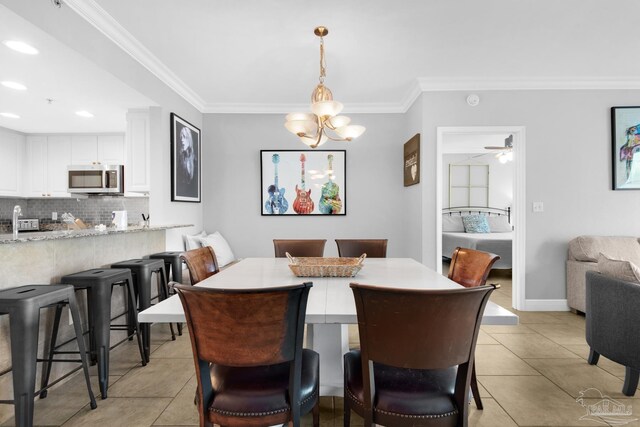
412 195
568 167
71 29
375 192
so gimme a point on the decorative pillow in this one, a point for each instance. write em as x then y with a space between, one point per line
192 242
475 224
223 252
499 224
452 224
618 269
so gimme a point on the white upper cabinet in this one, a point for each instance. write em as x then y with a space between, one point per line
46 172
36 171
58 159
91 149
138 165
84 149
37 165
111 149
12 146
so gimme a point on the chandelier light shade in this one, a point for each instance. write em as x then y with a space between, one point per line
324 122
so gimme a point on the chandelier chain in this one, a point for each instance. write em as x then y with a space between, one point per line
323 63
324 122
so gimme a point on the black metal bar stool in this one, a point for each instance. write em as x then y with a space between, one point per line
23 305
99 283
172 264
141 270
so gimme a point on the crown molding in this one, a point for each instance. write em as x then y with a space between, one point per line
107 25
437 84
351 108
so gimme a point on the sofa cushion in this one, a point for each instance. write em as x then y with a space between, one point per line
618 269
588 248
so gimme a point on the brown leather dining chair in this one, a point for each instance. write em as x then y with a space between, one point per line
374 248
417 348
299 247
201 263
247 348
471 268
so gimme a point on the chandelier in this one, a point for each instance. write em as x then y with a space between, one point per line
323 123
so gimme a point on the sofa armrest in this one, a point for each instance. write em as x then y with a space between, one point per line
576 283
613 318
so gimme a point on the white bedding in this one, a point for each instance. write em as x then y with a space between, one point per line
497 243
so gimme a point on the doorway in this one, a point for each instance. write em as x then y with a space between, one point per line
518 206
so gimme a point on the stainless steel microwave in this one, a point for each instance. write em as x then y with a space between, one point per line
96 179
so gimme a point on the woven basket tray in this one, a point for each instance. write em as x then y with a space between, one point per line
325 267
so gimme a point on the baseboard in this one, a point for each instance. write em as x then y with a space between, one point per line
546 305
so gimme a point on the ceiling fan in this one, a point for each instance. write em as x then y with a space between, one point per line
505 153
508 145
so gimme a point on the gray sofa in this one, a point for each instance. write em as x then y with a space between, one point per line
583 257
612 324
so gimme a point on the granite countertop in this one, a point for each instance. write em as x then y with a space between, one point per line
73 234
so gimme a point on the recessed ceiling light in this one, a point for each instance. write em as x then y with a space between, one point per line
84 114
21 47
14 85
10 115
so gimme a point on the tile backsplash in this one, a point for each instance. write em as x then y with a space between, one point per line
92 210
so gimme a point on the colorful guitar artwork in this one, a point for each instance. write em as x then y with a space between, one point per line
330 203
276 203
303 204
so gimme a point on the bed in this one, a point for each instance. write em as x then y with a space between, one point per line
497 241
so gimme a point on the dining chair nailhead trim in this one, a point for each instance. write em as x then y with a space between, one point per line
448 414
261 414
425 416
249 414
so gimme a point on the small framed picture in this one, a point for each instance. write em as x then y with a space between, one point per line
303 182
185 161
412 161
625 147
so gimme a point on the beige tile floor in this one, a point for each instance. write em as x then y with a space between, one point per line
530 375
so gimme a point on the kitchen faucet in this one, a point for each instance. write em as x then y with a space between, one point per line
17 211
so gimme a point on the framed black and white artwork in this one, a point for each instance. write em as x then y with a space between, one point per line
185 161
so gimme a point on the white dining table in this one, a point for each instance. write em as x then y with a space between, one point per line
331 306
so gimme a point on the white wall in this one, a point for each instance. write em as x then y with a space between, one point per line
71 29
500 177
375 192
568 167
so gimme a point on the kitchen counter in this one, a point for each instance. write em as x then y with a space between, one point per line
46 257
31 236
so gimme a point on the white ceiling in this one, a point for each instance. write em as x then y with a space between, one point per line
261 55
263 52
57 72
